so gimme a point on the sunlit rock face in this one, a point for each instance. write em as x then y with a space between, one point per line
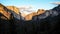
15 11
29 16
13 8
40 11
6 14
7 11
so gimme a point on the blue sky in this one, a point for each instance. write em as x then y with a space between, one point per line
38 4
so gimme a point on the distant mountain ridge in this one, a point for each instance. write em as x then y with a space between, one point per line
39 12
16 12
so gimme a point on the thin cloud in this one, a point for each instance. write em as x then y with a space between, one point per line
58 3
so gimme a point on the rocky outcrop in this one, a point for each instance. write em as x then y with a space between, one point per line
29 16
15 11
13 8
4 12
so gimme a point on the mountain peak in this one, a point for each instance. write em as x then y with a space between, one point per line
30 16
